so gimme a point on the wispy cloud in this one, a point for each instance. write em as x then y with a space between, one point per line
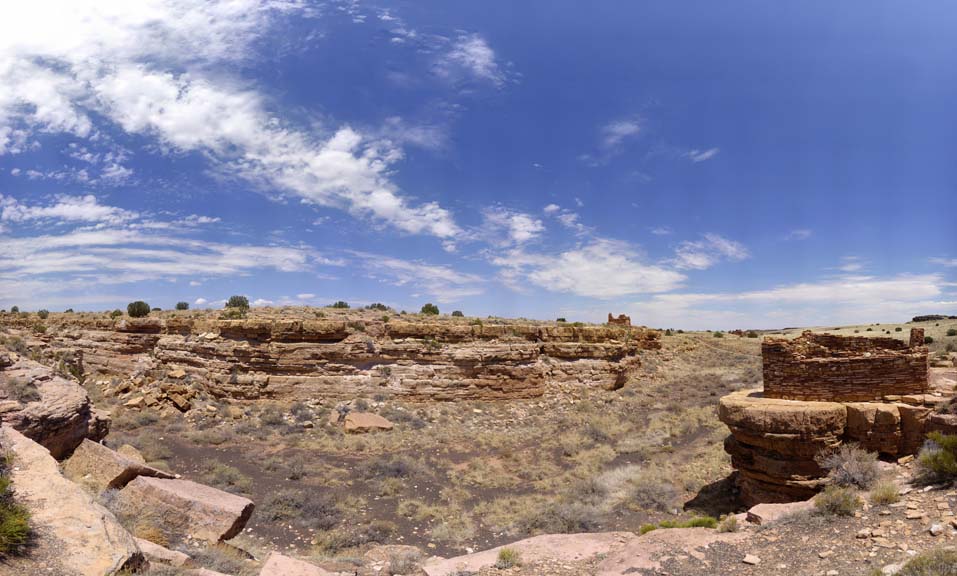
471 53
696 155
705 253
443 283
799 234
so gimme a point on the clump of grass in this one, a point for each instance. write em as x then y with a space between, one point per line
223 558
728 524
697 522
335 541
884 492
311 509
508 558
23 391
851 465
227 478
938 562
14 518
938 458
652 492
837 501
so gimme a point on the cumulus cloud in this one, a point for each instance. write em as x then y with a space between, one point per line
705 253
503 226
599 269
144 67
65 208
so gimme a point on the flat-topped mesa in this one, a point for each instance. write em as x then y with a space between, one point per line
827 367
344 355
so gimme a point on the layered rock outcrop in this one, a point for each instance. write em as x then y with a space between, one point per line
47 408
822 391
294 359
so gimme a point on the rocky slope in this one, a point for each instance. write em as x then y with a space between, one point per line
341 355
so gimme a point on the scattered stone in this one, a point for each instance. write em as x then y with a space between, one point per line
181 508
751 559
89 540
160 555
99 468
361 422
936 529
177 374
279 565
767 513
132 453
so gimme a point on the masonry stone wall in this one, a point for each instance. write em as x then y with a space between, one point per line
826 367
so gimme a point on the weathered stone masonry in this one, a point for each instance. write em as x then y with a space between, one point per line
846 369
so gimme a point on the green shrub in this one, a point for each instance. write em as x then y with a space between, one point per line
458 314
928 340
240 302
728 524
837 501
668 332
938 457
22 390
353 536
898 329
719 335
182 305
646 528
430 309
157 309
138 309
508 558
116 313
14 518
14 309
938 562
233 314
377 306
884 492
43 314
952 332
560 320
340 304
752 334
851 465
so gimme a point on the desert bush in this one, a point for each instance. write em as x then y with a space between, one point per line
378 306
938 457
403 563
928 339
271 415
898 329
182 305
851 465
237 301
430 309
43 314
508 558
458 314
227 478
719 334
138 309
340 304
837 501
728 524
222 558
884 492
387 467
14 309
668 332
23 390
116 313
563 517
335 541
752 334
937 562
651 492
560 319
14 518
952 332
313 509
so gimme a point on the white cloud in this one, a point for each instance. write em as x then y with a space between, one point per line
600 269
844 300
472 53
200 301
946 262
662 231
143 66
67 208
306 296
705 253
444 283
799 234
195 283
517 227
262 302
616 132
696 155
851 264
551 208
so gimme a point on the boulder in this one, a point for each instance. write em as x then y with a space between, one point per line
59 416
87 538
279 565
157 554
767 513
132 453
360 422
181 508
99 468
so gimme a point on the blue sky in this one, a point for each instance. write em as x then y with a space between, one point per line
693 164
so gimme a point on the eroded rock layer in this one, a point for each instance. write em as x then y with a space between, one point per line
293 359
